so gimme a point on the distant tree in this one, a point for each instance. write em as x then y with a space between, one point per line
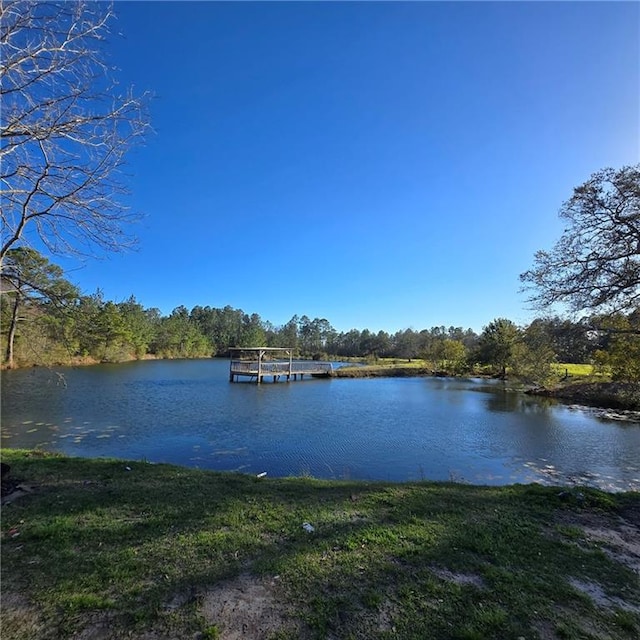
367 344
139 324
178 336
288 336
270 334
432 346
347 343
313 335
454 356
253 334
497 344
29 278
203 318
372 345
114 335
572 342
382 343
444 353
226 327
621 354
595 265
307 335
533 354
407 344
323 332
65 128
85 321
469 339
101 330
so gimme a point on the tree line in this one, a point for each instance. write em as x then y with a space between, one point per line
46 320
66 127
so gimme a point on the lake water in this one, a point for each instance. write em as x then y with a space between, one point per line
187 412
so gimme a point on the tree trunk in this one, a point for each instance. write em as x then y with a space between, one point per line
12 332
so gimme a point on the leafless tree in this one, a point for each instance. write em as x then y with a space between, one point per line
595 265
66 127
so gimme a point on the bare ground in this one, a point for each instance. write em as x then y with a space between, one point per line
247 608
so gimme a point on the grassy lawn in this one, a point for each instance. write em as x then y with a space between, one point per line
385 367
415 363
577 371
109 549
397 367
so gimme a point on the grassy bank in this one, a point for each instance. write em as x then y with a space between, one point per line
612 395
417 367
109 549
385 370
88 361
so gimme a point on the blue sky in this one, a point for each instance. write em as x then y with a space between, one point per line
380 164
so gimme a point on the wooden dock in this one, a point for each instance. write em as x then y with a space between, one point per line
258 362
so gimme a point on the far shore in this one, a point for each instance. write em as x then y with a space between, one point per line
623 396
608 395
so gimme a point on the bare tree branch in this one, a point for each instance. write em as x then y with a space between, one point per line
65 129
595 265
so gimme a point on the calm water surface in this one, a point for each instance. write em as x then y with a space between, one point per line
187 412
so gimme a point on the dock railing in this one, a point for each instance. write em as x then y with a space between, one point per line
261 365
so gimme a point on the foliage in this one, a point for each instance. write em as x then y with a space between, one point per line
408 344
178 337
534 355
572 342
58 325
622 355
445 354
497 345
595 265
31 282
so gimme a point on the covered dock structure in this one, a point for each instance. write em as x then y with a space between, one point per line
278 362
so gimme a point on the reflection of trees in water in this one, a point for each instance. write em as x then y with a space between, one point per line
510 401
446 384
500 398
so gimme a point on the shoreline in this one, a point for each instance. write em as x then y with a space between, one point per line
619 396
87 361
99 547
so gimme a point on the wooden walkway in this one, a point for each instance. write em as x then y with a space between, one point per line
259 362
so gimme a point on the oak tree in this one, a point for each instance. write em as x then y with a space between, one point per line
497 344
595 265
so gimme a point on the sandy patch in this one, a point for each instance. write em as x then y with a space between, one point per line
598 595
386 616
621 544
618 537
246 608
462 579
18 616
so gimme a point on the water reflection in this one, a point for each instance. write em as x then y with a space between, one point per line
186 412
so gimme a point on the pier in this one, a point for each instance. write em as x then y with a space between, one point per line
278 362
